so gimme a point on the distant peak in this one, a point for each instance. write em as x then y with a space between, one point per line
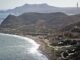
44 4
38 4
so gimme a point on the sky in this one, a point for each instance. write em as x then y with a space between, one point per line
10 4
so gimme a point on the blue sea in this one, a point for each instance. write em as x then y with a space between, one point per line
13 47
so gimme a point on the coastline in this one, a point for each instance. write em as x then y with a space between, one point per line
44 49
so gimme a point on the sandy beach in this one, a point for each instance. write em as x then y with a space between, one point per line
44 49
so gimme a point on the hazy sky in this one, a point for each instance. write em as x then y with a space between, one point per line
9 4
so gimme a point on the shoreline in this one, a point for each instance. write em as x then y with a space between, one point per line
44 49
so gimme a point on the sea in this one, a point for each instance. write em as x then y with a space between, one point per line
14 47
3 16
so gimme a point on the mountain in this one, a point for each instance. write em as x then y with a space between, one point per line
72 30
34 18
74 25
32 22
41 8
12 20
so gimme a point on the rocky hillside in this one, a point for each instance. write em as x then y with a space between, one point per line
38 21
49 19
72 26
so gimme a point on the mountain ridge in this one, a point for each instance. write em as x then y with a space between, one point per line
41 8
32 22
57 20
